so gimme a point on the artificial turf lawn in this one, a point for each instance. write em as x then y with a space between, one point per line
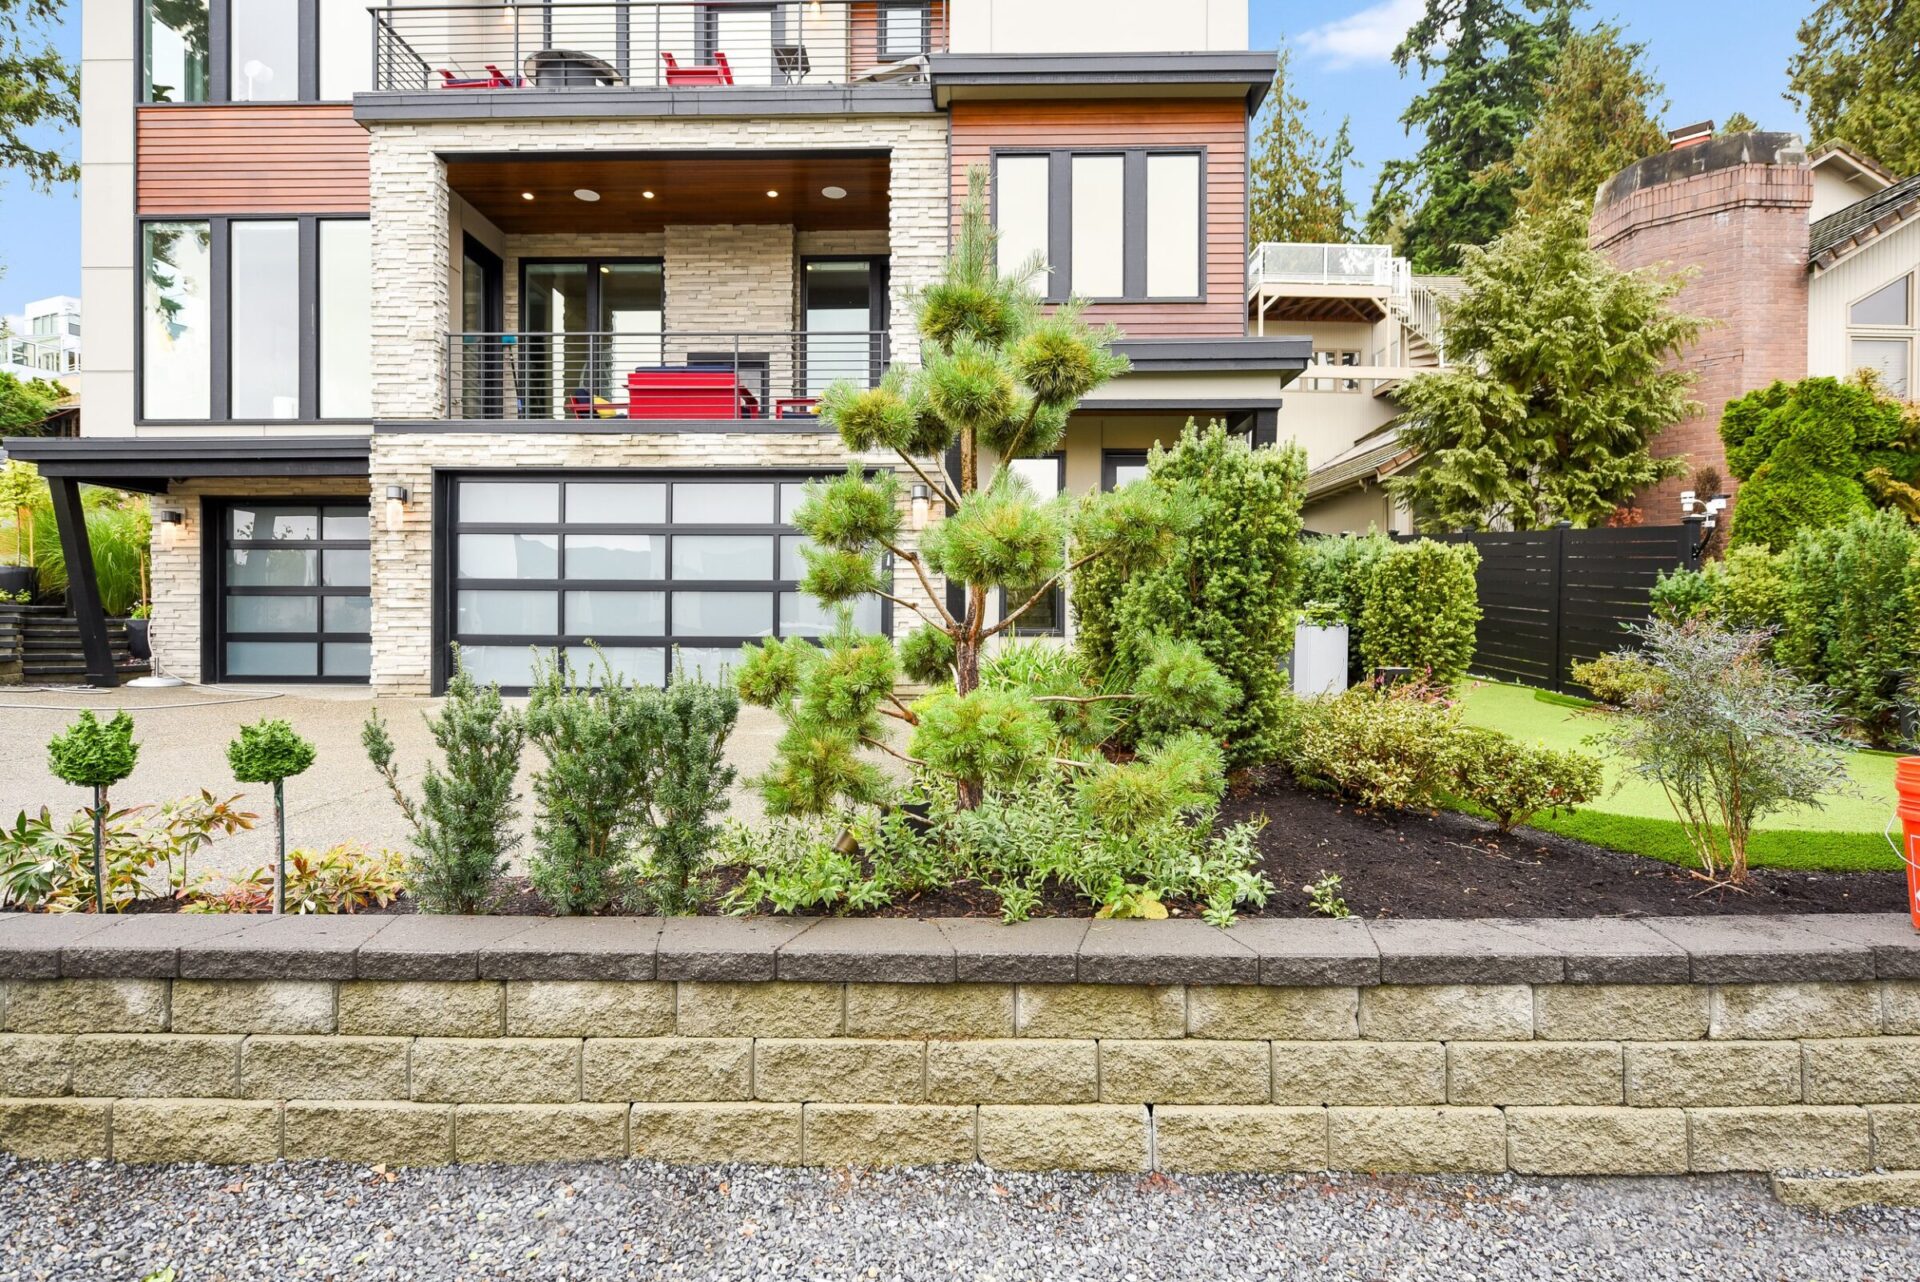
1843 835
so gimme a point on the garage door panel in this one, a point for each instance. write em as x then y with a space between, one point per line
292 597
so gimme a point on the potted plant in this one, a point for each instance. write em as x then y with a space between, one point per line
19 488
1320 649
138 644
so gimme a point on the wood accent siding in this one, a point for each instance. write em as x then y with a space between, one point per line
1218 124
250 159
863 33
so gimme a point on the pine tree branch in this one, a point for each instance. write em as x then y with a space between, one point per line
891 751
945 488
1035 599
920 571
910 605
1085 698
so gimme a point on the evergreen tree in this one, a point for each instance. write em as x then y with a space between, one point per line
38 89
1492 56
1739 123
1600 113
1558 381
1299 177
1855 74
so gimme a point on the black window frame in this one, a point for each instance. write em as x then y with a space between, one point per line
887 7
879 310
1059 593
220 286
1133 230
215 542
1112 460
448 526
220 57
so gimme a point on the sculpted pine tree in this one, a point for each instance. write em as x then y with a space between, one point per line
998 378
1559 380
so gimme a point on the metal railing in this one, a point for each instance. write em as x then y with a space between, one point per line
671 374
1272 266
570 44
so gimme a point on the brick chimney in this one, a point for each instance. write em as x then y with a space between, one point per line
1690 135
1735 210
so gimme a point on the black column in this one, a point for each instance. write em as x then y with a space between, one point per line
83 588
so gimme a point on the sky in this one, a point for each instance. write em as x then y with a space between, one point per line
1715 58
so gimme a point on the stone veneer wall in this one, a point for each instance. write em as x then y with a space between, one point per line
423 1040
402 560
1543 1079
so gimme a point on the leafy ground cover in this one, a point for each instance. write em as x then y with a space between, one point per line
1845 835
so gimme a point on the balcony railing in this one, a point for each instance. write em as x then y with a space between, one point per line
584 44
675 374
1303 264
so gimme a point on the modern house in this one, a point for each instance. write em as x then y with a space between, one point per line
503 324
43 341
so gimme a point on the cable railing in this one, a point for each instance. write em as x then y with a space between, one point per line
585 44
670 374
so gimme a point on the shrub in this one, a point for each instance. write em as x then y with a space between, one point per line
1335 572
1679 595
1420 609
1514 781
270 752
796 863
119 535
690 778
47 865
463 824
339 879
1388 748
1615 678
1729 736
94 756
1229 588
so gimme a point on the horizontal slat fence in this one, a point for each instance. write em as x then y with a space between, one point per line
1552 598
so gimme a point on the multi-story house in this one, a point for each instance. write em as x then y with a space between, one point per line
43 341
502 325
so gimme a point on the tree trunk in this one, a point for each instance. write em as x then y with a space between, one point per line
280 848
99 848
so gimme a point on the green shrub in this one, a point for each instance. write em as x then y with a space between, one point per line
1615 678
1229 588
1420 609
270 752
49 866
1387 748
1514 781
339 879
463 824
119 535
691 777
1749 590
1803 450
1850 602
1730 736
1679 595
1334 572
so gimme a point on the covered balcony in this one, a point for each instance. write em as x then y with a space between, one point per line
657 289
652 44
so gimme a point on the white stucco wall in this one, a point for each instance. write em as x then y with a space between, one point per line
109 51
1097 26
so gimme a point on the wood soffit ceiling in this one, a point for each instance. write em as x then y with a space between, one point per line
705 190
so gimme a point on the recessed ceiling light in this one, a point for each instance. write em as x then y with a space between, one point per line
646 195
585 193
834 193
772 195
526 195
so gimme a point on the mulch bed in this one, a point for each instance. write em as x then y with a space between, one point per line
1414 865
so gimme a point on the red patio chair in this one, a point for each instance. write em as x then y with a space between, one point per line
718 73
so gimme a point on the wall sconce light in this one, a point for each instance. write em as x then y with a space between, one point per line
396 507
922 501
170 519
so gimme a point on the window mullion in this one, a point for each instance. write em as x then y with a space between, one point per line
1133 225
309 314
309 20
219 328
1059 224
219 51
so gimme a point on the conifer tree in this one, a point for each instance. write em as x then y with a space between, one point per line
1601 112
1854 76
1299 192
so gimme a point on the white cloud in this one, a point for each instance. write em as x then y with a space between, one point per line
1370 35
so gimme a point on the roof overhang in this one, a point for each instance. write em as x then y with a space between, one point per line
1844 233
147 464
1851 166
1211 74
1277 354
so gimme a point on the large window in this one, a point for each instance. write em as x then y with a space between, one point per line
1881 334
1116 226
255 319
1047 478
176 319
255 50
903 31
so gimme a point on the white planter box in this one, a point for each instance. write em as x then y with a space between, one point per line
1319 659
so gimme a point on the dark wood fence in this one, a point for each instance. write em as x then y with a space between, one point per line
1552 598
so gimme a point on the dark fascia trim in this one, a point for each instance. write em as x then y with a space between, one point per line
1252 71
617 103
604 427
1181 405
147 463
1216 355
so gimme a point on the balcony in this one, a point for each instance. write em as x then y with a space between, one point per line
651 44
663 376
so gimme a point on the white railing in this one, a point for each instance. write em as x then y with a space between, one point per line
1272 267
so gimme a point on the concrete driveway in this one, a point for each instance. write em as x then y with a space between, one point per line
183 735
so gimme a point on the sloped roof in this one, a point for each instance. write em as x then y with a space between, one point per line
1834 236
1362 463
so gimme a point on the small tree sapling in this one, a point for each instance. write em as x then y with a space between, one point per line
95 756
270 752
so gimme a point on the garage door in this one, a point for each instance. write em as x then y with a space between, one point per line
637 564
292 597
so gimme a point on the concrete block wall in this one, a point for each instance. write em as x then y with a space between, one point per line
1542 1079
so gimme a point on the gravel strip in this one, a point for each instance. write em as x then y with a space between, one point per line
106 1223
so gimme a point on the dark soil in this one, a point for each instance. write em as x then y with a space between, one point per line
1407 864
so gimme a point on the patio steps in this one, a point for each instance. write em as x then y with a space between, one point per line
43 644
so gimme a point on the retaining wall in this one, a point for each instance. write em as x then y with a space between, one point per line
1615 1047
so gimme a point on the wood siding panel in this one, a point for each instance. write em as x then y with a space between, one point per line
234 159
1218 124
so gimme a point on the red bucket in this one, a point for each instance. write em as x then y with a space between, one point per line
1906 786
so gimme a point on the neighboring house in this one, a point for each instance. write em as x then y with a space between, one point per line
502 325
1806 262
1368 316
43 341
